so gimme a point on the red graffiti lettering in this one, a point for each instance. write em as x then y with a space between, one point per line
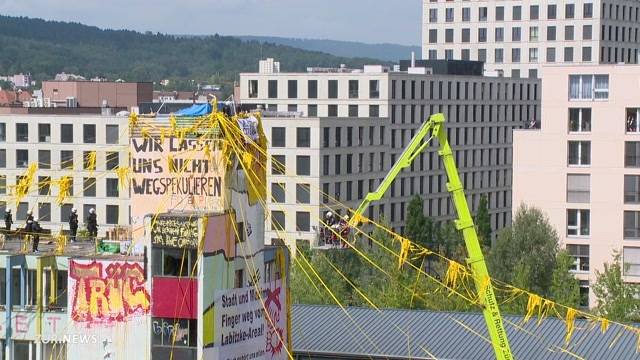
115 295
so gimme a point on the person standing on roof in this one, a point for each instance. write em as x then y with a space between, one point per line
92 223
29 216
36 230
8 220
73 224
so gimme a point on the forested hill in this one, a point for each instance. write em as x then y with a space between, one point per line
44 48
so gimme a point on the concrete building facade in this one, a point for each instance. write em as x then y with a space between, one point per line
515 38
581 167
97 93
339 131
60 145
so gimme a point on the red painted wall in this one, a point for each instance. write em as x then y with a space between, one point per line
174 298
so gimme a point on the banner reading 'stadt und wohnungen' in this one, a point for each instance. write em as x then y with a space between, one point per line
243 329
173 175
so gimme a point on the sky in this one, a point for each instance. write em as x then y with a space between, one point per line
371 21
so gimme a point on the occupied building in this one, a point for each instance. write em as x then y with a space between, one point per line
581 167
97 93
61 146
339 131
515 38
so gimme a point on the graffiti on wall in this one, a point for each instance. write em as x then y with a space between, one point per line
107 292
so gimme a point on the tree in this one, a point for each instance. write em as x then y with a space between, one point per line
616 300
483 222
565 288
5 85
525 254
419 228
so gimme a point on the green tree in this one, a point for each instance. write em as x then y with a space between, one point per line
5 85
616 300
483 222
565 288
525 254
419 228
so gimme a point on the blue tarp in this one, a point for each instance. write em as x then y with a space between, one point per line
195 110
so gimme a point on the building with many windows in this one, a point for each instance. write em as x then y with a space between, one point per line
516 37
581 167
339 131
61 146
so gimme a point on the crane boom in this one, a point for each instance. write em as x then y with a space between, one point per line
464 223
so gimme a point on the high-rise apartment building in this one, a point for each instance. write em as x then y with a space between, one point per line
582 166
516 37
339 131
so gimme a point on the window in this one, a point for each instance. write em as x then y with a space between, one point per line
44 211
632 189
482 55
278 137
551 55
66 160
448 54
273 89
374 89
278 191
112 134
482 13
65 211
551 12
433 38
303 137
533 33
312 110
578 188
337 163
433 15
353 110
333 89
89 133
44 185
303 165
516 34
466 14
112 214
588 87
448 35
587 32
22 132
482 35
632 224
449 14
374 111
277 220
466 35
278 165
89 187
292 89
332 110
465 54
292 108
112 188
579 120
499 34
551 33
44 133
580 255
517 12
303 194
3 132
515 55
568 32
354 89
499 55
533 55
303 221
534 12
499 13
312 89
587 11
66 133
579 153
3 184
586 53
632 124
253 89
112 160
568 54
631 260
21 211
44 159
569 11
22 158
578 222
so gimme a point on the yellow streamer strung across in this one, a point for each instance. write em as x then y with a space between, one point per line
64 187
22 188
123 177
405 249
570 321
91 162
454 274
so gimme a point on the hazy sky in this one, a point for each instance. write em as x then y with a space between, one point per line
360 20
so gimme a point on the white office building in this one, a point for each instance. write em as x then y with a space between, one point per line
515 37
339 131
60 145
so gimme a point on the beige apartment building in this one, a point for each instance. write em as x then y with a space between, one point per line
583 166
515 38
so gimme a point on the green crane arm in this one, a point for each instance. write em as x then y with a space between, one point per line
464 223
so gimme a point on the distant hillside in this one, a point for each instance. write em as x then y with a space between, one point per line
386 52
45 48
